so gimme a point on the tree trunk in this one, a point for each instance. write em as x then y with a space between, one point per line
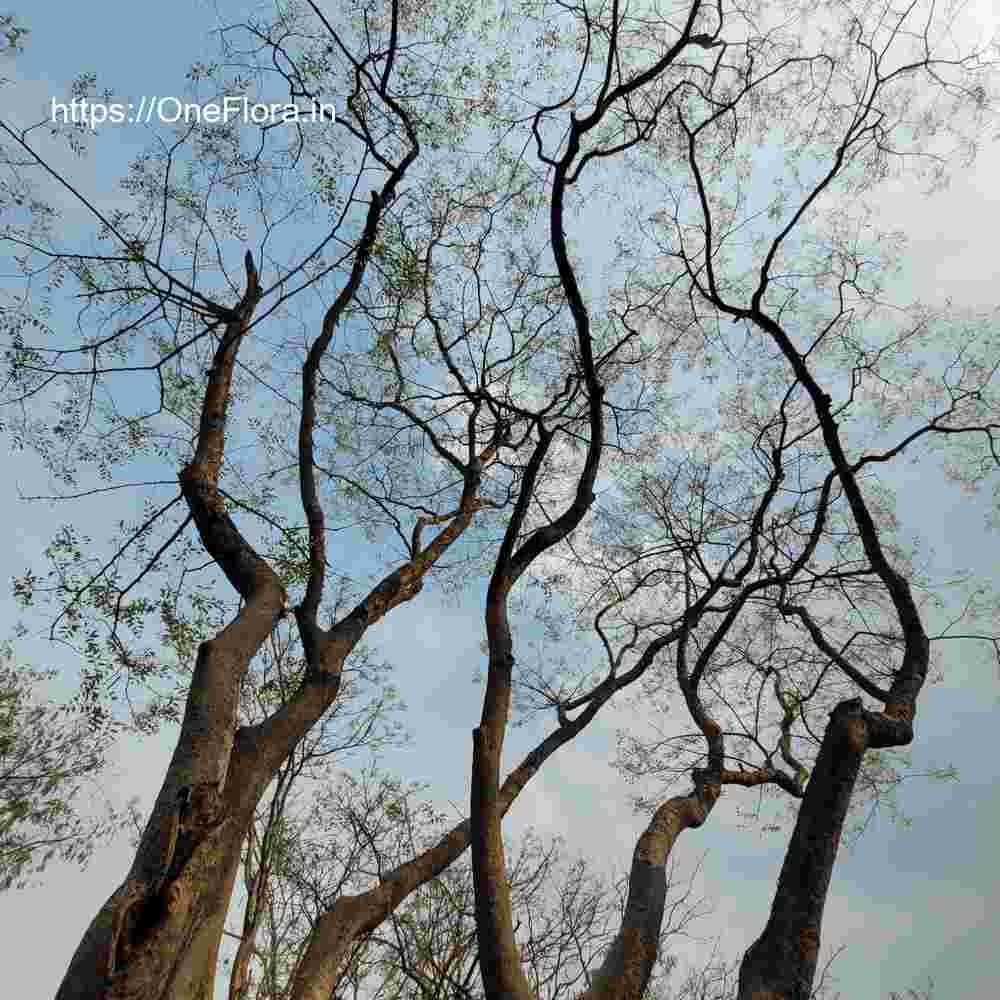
628 964
781 963
161 943
157 937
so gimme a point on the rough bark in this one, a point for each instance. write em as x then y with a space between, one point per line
629 961
781 964
500 963
161 942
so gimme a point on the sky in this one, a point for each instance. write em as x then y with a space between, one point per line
908 904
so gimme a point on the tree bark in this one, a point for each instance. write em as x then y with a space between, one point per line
161 943
781 963
629 962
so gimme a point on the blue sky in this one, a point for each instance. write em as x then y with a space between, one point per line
908 904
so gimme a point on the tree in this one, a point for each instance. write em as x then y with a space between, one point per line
464 379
